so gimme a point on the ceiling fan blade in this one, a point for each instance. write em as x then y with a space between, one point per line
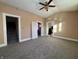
50 1
41 3
52 6
41 8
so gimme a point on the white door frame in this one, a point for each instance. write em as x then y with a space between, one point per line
47 27
5 28
34 30
42 29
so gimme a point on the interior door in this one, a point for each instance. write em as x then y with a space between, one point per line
34 29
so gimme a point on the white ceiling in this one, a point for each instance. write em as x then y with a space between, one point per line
33 6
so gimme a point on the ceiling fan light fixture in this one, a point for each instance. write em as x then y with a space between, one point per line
46 5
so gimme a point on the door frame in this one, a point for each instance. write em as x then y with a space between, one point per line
42 29
34 29
5 28
47 27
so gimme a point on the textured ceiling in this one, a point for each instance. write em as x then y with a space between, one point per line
33 6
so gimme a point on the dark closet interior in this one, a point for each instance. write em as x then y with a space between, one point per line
12 29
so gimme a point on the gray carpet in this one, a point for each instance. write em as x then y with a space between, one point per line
41 48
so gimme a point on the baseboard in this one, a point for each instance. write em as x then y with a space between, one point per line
23 40
3 45
67 38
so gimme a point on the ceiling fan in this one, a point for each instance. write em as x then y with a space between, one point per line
46 5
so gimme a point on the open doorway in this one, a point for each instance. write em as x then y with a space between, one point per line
50 24
37 29
11 26
12 29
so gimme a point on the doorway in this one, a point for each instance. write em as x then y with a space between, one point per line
48 25
37 29
12 29
34 29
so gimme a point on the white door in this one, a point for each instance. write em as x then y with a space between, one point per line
34 30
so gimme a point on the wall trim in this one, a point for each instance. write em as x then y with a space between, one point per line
3 45
23 40
66 38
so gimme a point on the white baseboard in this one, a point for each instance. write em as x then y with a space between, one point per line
22 40
3 45
66 38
